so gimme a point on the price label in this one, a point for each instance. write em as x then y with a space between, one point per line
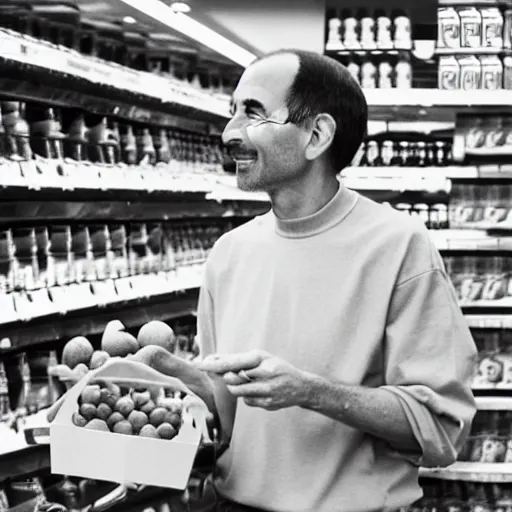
25 307
124 288
42 302
60 299
83 296
7 309
31 174
10 174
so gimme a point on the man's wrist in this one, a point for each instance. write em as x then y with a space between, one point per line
312 388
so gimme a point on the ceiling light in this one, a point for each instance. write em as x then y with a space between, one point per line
130 20
193 29
180 7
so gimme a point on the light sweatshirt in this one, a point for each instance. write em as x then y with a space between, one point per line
355 293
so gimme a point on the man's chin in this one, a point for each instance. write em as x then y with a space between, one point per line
246 184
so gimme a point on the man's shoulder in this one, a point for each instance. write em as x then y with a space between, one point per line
393 223
254 229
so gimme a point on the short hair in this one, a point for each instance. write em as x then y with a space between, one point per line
323 85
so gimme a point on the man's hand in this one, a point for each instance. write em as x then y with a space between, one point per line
261 379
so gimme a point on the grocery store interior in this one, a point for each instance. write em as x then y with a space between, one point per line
115 185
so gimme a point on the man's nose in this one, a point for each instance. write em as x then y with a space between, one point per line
233 130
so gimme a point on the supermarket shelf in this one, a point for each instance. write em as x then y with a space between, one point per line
469 240
69 311
412 183
121 193
471 472
24 462
469 51
438 173
505 303
494 403
489 321
67 78
433 104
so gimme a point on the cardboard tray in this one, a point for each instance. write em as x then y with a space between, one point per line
76 451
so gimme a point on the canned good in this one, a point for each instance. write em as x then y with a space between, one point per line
470 72
470 28
492 72
492 28
449 73
448 21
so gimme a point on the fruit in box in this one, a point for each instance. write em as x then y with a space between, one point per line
148 431
104 407
76 351
98 358
103 412
119 344
114 418
88 411
91 395
123 427
157 333
97 424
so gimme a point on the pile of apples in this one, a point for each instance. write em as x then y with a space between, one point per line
147 413
79 356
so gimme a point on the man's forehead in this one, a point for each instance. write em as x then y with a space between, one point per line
268 79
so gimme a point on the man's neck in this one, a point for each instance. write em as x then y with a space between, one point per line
303 199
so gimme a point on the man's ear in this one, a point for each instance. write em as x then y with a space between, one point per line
323 128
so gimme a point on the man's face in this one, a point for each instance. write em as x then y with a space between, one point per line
269 156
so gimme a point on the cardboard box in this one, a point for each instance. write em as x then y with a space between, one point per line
76 451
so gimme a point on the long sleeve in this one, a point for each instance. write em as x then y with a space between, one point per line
429 358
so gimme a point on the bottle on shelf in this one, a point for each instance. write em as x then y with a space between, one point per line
402 30
162 146
25 261
5 405
384 39
27 403
54 390
118 241
75 143
403 72
367 30
350 30
334 37
59 257
128 145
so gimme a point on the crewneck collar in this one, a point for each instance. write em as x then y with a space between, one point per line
331 214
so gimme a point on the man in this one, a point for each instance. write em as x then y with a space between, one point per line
330 318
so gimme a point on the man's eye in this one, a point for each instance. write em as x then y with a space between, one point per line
253 114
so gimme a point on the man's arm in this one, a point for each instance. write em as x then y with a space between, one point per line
276 384
374 411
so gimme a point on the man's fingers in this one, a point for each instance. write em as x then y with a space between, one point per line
223 363
253 389
233 379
